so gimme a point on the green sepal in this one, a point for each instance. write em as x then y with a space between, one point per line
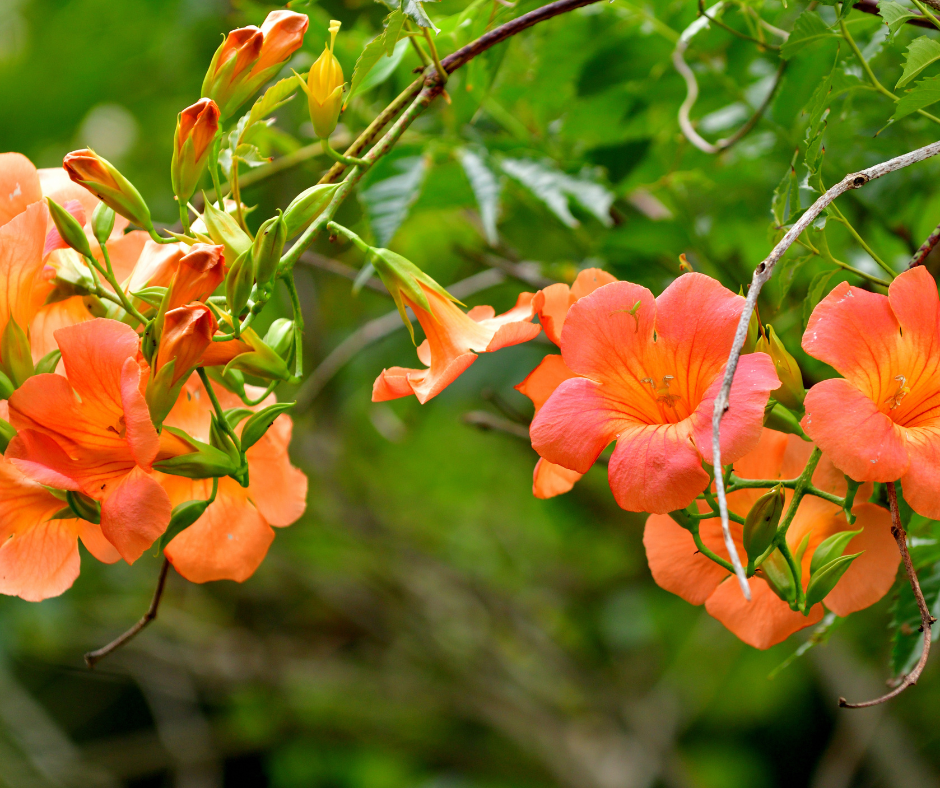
267 248
161 393
126 201
224 230
83 507
851 489
258 424
238 285
6 386
203 462
151 295
779 418
183 515
16 354
7 433
221 440
48 362
280 337
234 416
777 573
830 549
102 222
684 520
307 205
791 392
261 361
68 228
824 580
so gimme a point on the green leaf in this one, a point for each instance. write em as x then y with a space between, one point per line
817 289
381 46
393 27
258 424
553 187
923 94
388 201
921 52
808 29
486 189
234 416
907 642
894 15
385 68
414 10
786 199
789 268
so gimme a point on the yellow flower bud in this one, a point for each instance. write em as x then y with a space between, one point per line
325 88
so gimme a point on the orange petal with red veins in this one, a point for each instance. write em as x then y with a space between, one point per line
51 318
922 481
676 563
40 562
764 621
549 480
135 514
861 440
140 433
656 468
872 574
542 381
228 542
19 185
278 489
743 422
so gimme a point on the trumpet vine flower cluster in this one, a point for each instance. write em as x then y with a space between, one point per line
137 405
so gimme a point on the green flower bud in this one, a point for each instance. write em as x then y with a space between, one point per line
85 508
280 336
16 354
258 424
238 284
267 249
825 579
791 392
102 223
760 525
307 206
223 229
777 417
101 178
777 573
830 549
6 386
68 228
7 433
48 362
203 462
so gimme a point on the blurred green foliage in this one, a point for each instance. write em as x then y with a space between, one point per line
428 622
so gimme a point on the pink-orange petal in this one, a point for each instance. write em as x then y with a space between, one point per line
743 422
656 468
549 480
861 440
764 621
552 304
277 488
676 563
141 435
40 562
872 574
19 185
542 381
921 483
96 544
135 514
50 318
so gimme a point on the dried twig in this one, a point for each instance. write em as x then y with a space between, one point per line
897 531
762 274
92 658
925 248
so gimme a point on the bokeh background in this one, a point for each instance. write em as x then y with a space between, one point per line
428 623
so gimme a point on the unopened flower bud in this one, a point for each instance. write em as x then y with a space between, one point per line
260 361
238 285
224 230
102 223
83 507
280 336
7 433
196 127
249 57
760 525
101 178
15 353
777 573
325 88
307 206
199 274
197 460
791 392
69 228
267 248
825 578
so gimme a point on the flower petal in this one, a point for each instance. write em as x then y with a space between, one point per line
50 318
922 481
861 440
676 563
764 621
40 562
96 544
743 422
575 425
656 468
552 304
22 287
872 574
228 542
542 381
19 185
135 514
277 488
549 480
140 433
398 382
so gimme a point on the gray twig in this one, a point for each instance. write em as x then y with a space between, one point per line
762 274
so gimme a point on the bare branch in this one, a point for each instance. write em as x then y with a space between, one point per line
925 248
762 274
92 658
927 620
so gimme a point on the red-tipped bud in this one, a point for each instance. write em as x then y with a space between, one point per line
187 332
200 272
101 178
283 33
196 128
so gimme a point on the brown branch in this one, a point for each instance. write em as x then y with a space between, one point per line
762 274
925 248
871 7
897 531
92 658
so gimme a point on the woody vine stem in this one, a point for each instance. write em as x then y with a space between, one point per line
762 274
421 93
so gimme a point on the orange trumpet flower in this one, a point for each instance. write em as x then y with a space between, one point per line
766 620
90 431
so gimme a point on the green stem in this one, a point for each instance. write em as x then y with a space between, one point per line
237 195
252 402
723 26
217 406
925 11
298 325
184 219
704 550
349 161
214 170
434 56
112 280
826 254
799 490
881 263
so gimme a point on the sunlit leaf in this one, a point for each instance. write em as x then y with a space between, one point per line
921 53
554 187
809 28
388 201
